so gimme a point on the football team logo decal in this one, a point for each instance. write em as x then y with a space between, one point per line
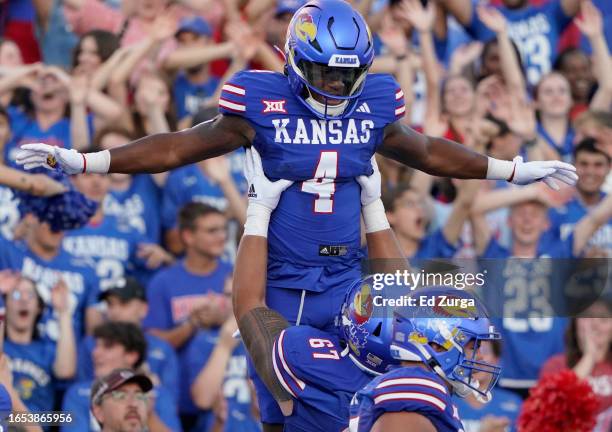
274 106
305 29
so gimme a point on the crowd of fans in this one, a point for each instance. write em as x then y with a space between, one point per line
146 284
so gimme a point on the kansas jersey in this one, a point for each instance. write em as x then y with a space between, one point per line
535 30
409 389
316 222
322 379
139 205
524 296
32 368
78 275
110 246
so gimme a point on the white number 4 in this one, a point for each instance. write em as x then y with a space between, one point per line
323 184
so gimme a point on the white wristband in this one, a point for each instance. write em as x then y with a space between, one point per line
499 169
374 217
257 220
96 163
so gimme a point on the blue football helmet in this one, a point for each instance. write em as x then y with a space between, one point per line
367 328
328 52
445 333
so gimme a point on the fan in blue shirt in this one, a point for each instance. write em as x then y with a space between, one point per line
218 370
41 259
526 293
117 345
194 86
136 199
190 294
592 166
408 217
47 123
535 29
36 360
109 243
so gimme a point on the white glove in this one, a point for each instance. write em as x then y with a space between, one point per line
370 185
263 194
522 173
70 161
48 156
372 208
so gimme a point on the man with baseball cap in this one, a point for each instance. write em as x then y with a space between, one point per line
119 401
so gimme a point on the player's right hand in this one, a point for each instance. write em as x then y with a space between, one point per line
262 192
51 157
370 185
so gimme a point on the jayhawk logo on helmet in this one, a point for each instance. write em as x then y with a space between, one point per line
305 29
363 305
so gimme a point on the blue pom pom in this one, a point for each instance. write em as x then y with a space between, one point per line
66 211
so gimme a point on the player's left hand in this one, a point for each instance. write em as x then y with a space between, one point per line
370 185
547 171
262 192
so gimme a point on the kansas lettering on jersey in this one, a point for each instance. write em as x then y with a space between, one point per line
110 246
408 389
323 157
32 365
321 378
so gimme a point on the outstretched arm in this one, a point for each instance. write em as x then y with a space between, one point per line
444 158
151 154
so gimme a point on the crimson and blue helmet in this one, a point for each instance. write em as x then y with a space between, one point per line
366 326
328 52
445 331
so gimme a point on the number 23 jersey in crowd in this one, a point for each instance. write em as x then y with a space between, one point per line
316 223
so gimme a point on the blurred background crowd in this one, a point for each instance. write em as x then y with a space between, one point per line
146 284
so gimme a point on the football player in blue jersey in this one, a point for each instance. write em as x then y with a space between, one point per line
438 348
312 367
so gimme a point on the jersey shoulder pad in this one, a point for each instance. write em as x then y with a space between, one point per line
382 98
411 389
244 94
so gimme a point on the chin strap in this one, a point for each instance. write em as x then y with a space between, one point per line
326 109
